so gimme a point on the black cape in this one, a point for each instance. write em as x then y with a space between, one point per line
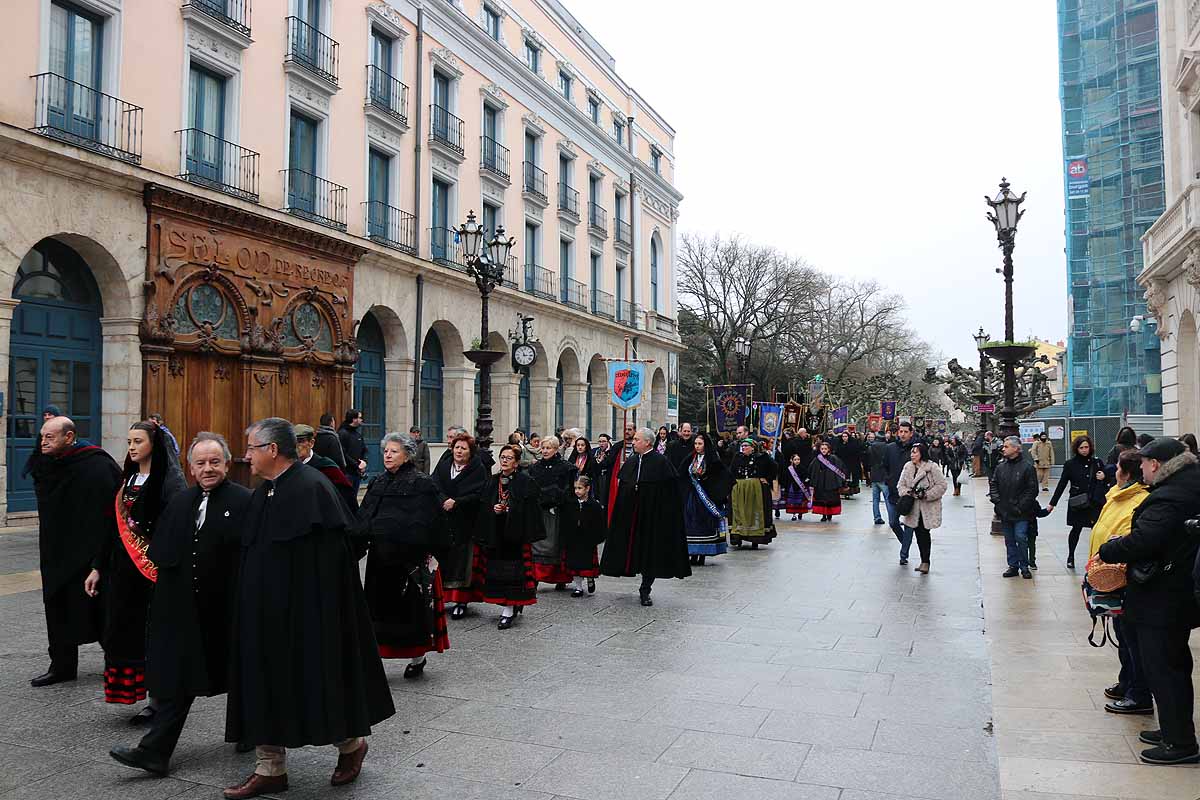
581 528
304 665
646 534
187 649
825 483
466 491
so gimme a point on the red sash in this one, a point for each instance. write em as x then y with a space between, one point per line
613 482
135 544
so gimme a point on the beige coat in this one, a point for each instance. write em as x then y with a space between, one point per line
1042 454
927 511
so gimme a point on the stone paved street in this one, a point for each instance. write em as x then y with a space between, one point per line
812 669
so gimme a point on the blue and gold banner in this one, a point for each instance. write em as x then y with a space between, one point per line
731 407
770 419
887 410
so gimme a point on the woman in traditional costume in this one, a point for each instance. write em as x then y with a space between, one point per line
554 477
827 475
460 480
752 505
793 491
123 573
402 516
662 439
582 528
706 487
510 521
586 464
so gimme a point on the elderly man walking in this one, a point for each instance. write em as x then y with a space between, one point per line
1013 490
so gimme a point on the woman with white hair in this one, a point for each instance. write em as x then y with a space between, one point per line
555 478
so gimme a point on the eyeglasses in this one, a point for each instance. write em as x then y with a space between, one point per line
250 447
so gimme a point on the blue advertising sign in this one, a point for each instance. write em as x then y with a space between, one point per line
626 384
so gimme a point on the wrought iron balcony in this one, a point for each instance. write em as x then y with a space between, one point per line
445 248
602 304
234 13
312 50
208 160
574 294
535 180
540 282
511 277
77 114
627 314
315 199
623 231
390 226
493 157
568 199
387 94
446 129
597 218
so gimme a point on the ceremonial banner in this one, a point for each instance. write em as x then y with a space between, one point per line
887 410
816 391
626 384
770 420
874 423
841 416
793 416
918 423
941 426
672 381
730 405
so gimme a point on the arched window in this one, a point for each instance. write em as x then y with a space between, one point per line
654 273
431 388
523 416
51 271
307 323
204 304
558 399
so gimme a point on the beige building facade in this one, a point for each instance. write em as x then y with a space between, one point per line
214 212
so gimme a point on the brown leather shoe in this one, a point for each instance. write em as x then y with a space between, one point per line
257 785
348 766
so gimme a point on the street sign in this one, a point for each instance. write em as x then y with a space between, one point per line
983 408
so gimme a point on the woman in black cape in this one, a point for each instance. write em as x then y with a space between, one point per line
510 521
1085 474
555 477
827 475
706 531
461 479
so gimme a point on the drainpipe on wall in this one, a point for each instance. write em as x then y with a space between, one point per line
418 341
633 228
416 212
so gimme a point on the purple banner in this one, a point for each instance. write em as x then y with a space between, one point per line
731 407
887 409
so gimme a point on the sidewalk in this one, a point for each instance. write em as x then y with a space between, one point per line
1053 736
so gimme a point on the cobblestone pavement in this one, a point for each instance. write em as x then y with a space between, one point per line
816 668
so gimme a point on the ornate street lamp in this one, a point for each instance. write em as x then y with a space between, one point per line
485 263
983 396
1005 213
741 347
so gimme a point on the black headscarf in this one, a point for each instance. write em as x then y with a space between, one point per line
164 471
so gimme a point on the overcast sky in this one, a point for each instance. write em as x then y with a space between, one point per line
863 136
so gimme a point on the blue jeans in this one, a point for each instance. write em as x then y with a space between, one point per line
878 489
906 537
894 517
1016 541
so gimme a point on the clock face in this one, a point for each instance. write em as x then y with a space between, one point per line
524 355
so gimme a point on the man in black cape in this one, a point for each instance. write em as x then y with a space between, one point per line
304 664
646 535
196 545
76 485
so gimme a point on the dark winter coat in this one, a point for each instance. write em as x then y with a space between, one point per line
353 447
1080 474
1158 535
895 457
336 476
825 483
305 666
187 644
590 470
465 491
1013 489
680 450
555 478
877 461
523 522
646 535
328 444
581 527
757 465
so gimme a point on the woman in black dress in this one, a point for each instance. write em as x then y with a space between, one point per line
706 483
460 479
555 478
510 521
123 573
1085 474
752 469
827 475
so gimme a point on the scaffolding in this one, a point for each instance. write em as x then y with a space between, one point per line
1112 122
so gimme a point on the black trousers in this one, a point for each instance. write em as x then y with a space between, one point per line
924 542
72 619
1167 662
167 725
647 584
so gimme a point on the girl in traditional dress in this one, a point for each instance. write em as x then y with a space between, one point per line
582 527
664 438
752 505
706 486
151 478
402 516
793 489
554 478
510 521
460 480
826 476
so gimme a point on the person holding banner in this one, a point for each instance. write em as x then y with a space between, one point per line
706 486
827 475
752 504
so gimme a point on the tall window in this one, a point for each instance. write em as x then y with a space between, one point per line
564 268
559 404
619 131
594 110
491 141
302 161
491 215
381 60
379 168
431 388
564 84
439 213
75 50
595 278
654 274
564 170
533 56
531 250
206 123
531 148
619 288
656 161
593 190
491 22
618 210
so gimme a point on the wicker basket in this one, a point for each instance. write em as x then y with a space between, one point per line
1105 577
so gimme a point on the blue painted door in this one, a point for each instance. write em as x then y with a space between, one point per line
55 356
370 390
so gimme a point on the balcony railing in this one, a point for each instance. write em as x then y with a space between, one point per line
626 313
312 50
574 294
446 128
234 13
535 180
80 115
446 249
597 217
602 304
387 94
208 160
390 226
512 278
568 199
623 231
315 199
493 157
540 281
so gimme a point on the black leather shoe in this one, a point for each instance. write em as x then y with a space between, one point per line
414 670
577 593
1070 563
143 717
1011 572
1116 692
458 612
1170 754
592 585
506 622
1025 573
646 601
1150 737
904 562
138 758
50 677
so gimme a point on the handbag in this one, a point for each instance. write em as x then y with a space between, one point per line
1102 606
905 505
1080 502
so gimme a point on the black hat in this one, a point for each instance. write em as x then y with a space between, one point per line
1164 448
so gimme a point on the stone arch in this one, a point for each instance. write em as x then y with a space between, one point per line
1186 370
658 397
597 379
452 343
568 359
395 338
117 298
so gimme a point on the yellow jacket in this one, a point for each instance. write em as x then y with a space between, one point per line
1116 518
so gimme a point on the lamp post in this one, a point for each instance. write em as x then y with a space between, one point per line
741 347
1005 214
485 263
981 339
